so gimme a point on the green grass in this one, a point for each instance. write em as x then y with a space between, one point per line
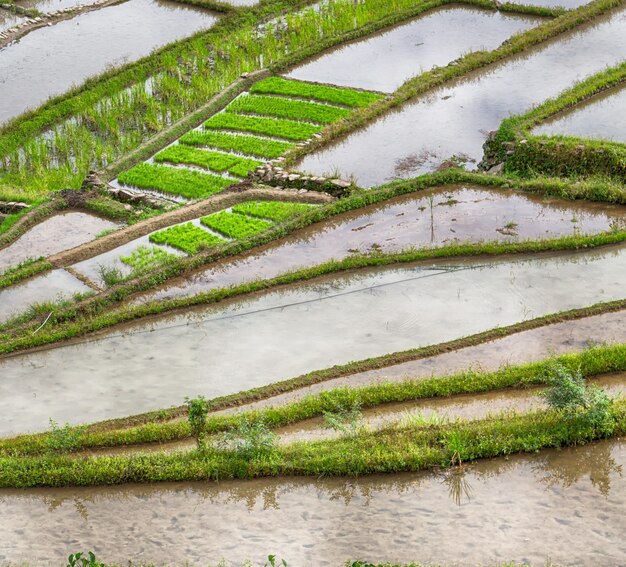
347 97
276 127
277 211
235 225
186 237
240 143
286 108
184 182
217 161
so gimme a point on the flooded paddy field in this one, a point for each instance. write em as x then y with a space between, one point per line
53 59
454 120
523 508
253 342
9 20
432 218
602 118
58 233
385 61
48 6
57 284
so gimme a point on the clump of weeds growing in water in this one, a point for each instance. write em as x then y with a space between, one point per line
197 411
347 420
250 439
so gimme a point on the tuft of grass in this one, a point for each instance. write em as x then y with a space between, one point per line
324 93
240 143
184 182
287 108
235 225
186 237
276 127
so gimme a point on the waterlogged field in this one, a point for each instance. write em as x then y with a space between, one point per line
375 242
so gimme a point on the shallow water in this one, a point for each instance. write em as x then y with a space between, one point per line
563 505
567 4
58 233
225 349
455 215
603 118
9 20
385 61
48 6
49 61
454 120
54 285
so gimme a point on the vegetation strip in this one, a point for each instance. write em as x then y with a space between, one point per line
186 237
217 161
276 127
235 225
277 211
592 362
240 143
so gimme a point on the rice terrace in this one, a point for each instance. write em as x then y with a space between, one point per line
309 283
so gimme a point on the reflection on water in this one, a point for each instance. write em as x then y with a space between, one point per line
566 504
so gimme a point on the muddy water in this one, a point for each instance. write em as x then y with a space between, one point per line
58 233
566 506
51 60
48 6
224 349
385 61
9 20
475 406
432 218
49 287
454 120
603 118
567 4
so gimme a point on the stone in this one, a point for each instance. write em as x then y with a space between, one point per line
496 169
341 183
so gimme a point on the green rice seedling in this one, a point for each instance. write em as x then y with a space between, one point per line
186 237
217 161
277 211
184 182
347 97
240 143
276 127
235 225
147 258
287 108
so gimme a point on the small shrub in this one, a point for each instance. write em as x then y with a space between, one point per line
80 560
110 275
346 420
63 439
249 439
197 411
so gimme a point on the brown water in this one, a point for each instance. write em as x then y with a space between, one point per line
432 218
51 60
454 120
58 233
48 6
602 118
57 284
563 505
385 61
224 349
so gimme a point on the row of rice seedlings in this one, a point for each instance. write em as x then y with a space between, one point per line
186 183
288 108
238 143
277 211
235 225
335 95
186 237
216 161
118 122
276 127
146 258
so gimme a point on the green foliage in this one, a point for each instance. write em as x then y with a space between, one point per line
347 97
110 275
217 161
176 181
235 225
64 439
82 560
287 108
570 394
277 211
147 258
240 143
186 237
197 411
276 127
347 420
249 440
